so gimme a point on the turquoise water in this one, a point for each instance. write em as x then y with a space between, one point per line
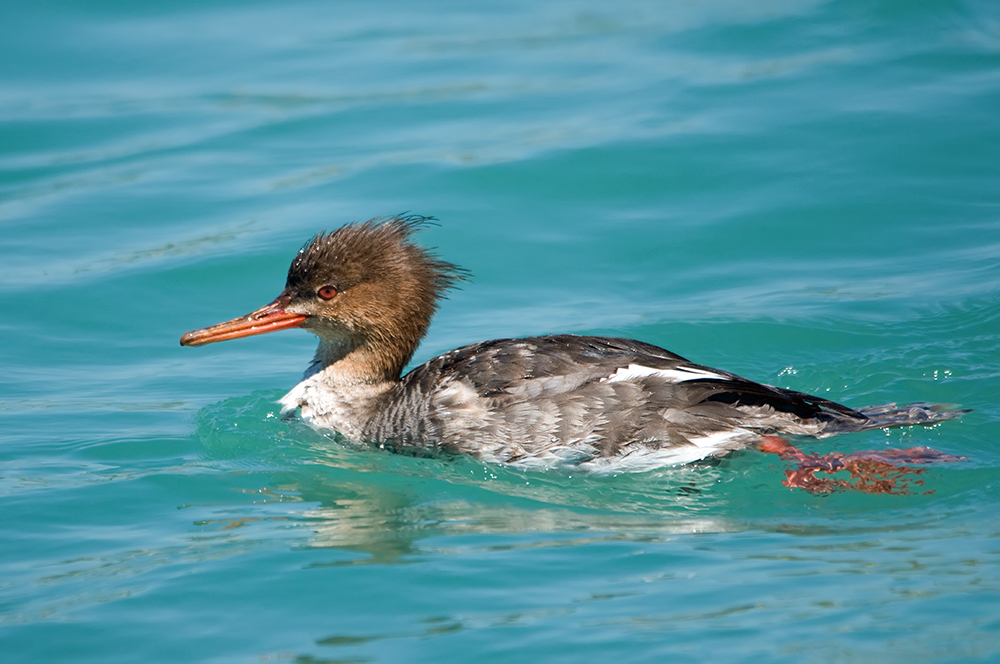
805 193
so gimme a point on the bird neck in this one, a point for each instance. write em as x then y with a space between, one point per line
360 362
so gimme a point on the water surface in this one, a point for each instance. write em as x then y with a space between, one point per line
804 193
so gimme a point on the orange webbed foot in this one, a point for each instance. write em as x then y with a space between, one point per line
872 471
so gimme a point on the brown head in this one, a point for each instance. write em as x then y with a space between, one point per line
365 290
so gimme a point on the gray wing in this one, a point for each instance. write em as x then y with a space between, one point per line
578 397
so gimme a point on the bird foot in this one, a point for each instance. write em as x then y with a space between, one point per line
874 471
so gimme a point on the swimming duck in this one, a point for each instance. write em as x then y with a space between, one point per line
368 291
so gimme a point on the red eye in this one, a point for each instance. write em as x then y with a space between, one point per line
326 292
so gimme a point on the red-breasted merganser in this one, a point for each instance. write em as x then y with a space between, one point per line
368 292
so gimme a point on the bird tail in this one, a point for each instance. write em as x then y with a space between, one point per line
926 414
